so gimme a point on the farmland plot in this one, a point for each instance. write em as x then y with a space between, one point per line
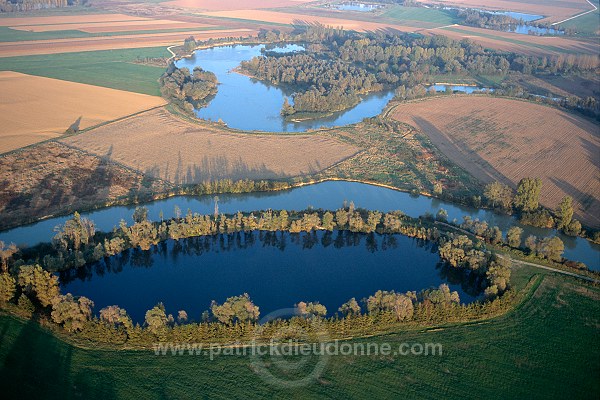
506 140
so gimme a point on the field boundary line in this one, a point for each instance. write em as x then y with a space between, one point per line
585 278
578 15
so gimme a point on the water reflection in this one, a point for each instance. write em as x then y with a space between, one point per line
326 195
250 104
277 269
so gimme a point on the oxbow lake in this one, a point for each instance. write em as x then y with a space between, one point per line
522 29
249 104
276 269
326 195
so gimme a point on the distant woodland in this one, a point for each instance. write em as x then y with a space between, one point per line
338 66
29 5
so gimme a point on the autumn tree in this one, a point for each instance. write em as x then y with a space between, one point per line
74 233
351 307
189 44
440 296
287 108
33 280
116 316
182 317
8 287
552 248
156 319
564 212
311 309
532 244
498 194
328 223
6 252
528 194
383 301
513 236
498 276
70 312
235 309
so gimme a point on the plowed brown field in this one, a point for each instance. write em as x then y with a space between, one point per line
219 5
120 26
164 146
289 18
506 140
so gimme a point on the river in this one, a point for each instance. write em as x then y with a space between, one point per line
326 195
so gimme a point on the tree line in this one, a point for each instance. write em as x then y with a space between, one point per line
28 288
525 202
30 5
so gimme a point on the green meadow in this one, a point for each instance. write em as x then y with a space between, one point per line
109 68
548 347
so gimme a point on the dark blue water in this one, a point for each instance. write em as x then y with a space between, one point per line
249 104
326 195
277 270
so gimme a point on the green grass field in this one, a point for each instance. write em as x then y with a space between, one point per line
14 35
547 348
587 24
109 68
437 17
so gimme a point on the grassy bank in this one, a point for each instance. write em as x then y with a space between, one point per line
546 348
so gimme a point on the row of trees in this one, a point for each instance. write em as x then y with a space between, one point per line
30 5
35 289
38 291
526 202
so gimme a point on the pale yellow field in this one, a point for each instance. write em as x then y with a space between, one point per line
35 108
167 147
119 26
506 140
67 19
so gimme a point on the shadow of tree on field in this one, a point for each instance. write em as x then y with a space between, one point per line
75 125
219 167
40 366
589 203
469 160
592 150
